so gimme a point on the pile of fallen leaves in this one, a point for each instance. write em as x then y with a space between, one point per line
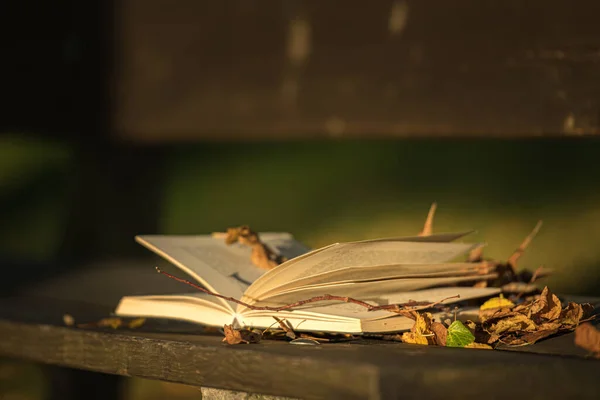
500 322
531 321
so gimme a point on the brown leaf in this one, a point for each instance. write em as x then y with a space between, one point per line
547 306
440 332
428 227
232 336
533 337
512 340
588 338
494 337
68 320
587 310
572 314
475 345
515 323
253 336
495 313
286 327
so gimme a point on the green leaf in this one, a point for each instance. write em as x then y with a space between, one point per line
459 335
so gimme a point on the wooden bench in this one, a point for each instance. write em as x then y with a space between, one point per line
32 328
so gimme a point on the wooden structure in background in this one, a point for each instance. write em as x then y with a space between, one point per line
149 70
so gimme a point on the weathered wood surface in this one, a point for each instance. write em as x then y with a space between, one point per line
344 371
145 70
269 69
32 328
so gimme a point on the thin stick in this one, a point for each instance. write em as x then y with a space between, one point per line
428 227
514 258
398 308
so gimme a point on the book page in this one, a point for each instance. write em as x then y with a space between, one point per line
380 272
334 316
225 269
200 308
363 254
372 290
268 279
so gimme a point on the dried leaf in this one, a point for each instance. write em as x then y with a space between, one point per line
496 303
253 336
428 227
573 313
286 327
136 323
232 336
547 306
419 330
414 338
495 313
515 323
588 338
475 345
68 320
532 337
440 332
318 339
459 335
471 325
110 322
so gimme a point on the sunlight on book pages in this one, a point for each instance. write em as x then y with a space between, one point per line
378 271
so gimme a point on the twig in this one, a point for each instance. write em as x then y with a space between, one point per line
397 308
514 258
428 227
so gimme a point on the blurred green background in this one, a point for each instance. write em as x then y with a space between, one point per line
326 191
342 190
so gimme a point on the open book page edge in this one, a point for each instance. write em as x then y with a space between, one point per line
143 240
367 290
325 256
302 324
269 275
180 307
379 272
265 279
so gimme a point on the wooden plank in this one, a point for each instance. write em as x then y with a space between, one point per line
200 361
242 70
371 370
145 70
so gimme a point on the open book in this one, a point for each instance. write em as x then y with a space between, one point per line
379 271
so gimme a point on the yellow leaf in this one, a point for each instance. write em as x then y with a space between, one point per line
112 322
478 346
497 302
414 338
421 328
136 323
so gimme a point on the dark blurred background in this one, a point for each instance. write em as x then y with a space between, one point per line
331 120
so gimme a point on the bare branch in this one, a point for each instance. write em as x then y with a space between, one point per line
397 308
